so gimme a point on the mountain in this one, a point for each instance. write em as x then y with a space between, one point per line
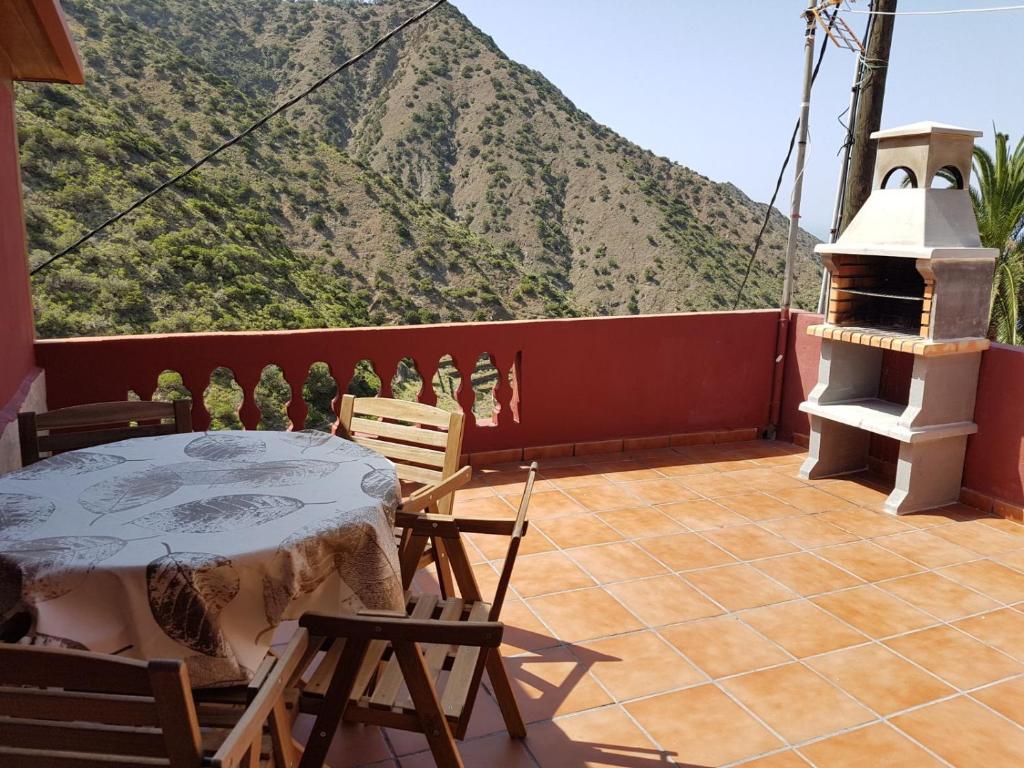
438 181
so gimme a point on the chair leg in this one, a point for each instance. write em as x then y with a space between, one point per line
285 754
444 568
503 693
428 706
333 708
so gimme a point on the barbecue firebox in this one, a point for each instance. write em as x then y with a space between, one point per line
909 275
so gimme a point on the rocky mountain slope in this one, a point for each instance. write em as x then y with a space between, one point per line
439 181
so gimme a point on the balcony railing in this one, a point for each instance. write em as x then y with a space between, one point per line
557 382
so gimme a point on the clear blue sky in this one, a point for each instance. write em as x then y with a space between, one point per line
715 84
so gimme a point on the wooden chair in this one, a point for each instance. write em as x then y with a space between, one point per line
420 671
64 708
424 442
82 426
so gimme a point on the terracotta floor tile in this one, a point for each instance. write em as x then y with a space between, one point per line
639 522
601 738
955 656
576 476
797 703
802 628
487 506
995 580
787 759
601 497
636 474
765 479
620 561
714 730
930 551
485 752
749 542
879 678
1013 559
983 539
584 615
552 682
869 561
473 491
548 504
702 514
680 467
939 596
513 483
759 506
640 664
966 734
352 744
662 490
1012 527
812 500
523 630
580 531
663 600
863 490
1001 629
1006 698
686 551
872 747
807 574
809 531
715 484
738 586
486 719
723 646
547 572
875 613
866 523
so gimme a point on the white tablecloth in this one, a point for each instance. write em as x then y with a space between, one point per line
196 546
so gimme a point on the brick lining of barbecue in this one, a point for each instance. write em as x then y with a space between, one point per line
866 272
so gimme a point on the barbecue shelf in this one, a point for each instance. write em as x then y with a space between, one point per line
883 417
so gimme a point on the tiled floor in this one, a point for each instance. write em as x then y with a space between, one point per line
704 607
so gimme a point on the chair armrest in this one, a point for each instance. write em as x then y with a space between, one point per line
450 526
432 494
483 634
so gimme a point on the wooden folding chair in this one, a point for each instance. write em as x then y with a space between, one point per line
82 426
64 709
420 671
423 442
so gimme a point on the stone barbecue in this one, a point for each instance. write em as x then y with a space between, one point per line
909 275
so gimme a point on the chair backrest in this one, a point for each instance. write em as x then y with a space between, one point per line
424 442
82 426
75 708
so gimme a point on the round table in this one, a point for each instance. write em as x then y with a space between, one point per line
196 546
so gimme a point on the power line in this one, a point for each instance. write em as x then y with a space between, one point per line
947 12
232 141
778 182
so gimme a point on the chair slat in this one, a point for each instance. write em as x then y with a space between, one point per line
45 703
78 670
410 474
402 410
390 682
11 757
460 679
27 733
99 414
403 452
72 441
434 654
400 432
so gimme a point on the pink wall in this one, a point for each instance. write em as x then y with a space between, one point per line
995 455
578 380
17 363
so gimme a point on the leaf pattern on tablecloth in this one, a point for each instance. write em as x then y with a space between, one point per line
304 561
72 463
349 448
52 641
208 671
381 484
52 567
308 438
276 473
187 592
218 514
21 513
129 491
226 448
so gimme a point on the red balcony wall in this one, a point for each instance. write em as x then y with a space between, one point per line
17 361
578 380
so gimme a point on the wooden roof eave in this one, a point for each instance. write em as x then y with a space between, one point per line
35 43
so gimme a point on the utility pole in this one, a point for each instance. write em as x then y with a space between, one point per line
869 110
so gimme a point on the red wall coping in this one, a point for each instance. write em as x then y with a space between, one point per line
578 379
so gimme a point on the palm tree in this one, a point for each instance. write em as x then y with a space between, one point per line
999 206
